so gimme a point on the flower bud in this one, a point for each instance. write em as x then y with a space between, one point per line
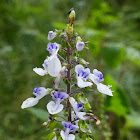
51 35
79 44
72 15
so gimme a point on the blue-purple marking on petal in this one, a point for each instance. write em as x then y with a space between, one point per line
70 126
52 46
61 95
37 91
84 73
79 105
99 75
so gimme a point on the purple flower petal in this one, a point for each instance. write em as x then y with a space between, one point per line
51 35
61 95
70 126
80 45
52 46
99 75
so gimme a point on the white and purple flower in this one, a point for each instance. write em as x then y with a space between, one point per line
52 64
82 76
96 78
68 128
77 107
51 35
39 92
55 107
79 44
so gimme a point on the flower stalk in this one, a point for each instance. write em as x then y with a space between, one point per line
77 107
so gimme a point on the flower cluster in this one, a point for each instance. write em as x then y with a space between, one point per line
64 100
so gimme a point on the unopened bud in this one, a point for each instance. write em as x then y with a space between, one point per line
79 43
51 35
72 14
71 17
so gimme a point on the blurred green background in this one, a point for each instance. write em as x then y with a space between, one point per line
112 28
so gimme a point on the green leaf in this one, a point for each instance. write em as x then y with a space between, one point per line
39 113
87 106
133 120
52 125
84 126
113 54
85 137
81 98
133 55
117 101
50 136
60 138
59 25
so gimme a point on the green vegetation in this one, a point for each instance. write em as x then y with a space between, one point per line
112 29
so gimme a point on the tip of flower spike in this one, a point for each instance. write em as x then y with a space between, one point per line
71 16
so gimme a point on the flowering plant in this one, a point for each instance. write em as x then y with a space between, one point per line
75 113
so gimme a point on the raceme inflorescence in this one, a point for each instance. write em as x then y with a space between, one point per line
68 101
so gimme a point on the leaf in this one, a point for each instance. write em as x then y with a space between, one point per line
59 25
50 136
81 98
113 54
84 126
133 55
39 113
52 125
133 120
87 106
117 103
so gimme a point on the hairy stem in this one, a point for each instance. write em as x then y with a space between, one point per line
68 84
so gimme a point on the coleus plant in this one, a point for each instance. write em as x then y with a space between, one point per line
71 102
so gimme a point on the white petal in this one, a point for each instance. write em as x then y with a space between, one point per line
79 68
51 35
104 89
71 137
81 115
83 84
29 102
55 138
57 80
62 133
54 67
73 103
43 93
80 45
93 78
40 71
50 107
